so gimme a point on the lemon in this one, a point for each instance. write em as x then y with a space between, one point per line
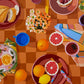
44 79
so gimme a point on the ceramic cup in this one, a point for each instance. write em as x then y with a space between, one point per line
74 54
22 39
36 1
80 20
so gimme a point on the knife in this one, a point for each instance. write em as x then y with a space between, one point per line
67 78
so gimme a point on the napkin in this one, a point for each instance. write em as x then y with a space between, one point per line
76 27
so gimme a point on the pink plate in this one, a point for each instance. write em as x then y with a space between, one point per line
63 11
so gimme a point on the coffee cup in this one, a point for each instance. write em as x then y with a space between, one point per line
22 39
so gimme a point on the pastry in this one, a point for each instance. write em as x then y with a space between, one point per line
12 15
64 3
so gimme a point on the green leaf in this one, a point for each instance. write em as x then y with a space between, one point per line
13 62
33 17
1 70
15 65
0 50
13 44
30 28
2 74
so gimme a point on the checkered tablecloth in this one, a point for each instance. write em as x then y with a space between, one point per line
28 54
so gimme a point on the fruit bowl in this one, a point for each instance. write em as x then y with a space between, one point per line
46 58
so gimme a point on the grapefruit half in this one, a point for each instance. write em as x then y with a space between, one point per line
51 68
56 38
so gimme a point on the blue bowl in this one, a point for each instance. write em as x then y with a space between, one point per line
22 39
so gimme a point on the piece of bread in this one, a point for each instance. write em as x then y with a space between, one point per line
11 15
2 10
3 15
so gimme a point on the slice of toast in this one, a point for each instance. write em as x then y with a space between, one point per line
2 10
12 15
3 15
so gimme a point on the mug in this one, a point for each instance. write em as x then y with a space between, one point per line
74 54
22 39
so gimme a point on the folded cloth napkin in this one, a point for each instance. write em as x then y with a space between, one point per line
13 46
77 28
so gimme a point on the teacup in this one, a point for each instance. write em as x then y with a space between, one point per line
22 39
72 49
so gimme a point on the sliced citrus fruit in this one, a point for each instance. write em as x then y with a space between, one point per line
6 59
51 68
56 38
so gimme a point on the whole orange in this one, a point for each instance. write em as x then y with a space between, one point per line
42 45
38 70
21 75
